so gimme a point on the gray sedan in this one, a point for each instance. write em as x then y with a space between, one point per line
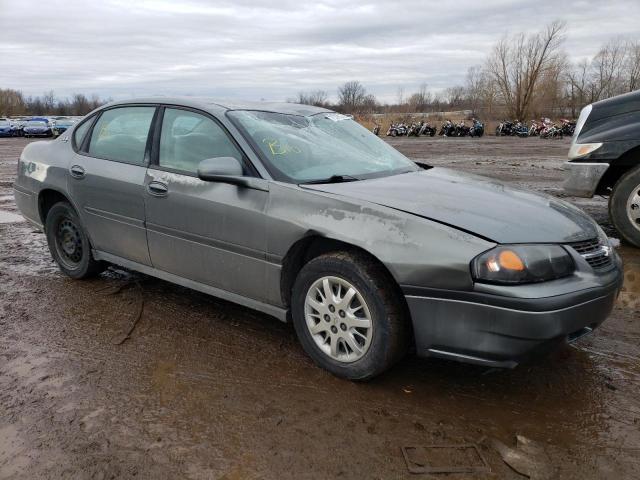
301 213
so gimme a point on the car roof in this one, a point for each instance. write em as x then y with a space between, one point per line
220 106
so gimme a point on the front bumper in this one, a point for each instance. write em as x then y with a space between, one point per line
582 178
499 333
40 133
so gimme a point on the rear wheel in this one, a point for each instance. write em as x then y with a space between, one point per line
69 244
624 206
348 315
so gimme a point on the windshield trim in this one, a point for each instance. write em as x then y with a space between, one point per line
283 177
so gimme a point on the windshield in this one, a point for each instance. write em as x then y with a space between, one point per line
301 149
4 123
34 123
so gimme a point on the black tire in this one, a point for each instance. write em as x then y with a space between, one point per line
394 133
622 191
69 244
391 330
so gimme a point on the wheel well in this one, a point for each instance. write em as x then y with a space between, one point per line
309 248
47 199
617 168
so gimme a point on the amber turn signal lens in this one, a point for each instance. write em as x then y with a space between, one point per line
509 260
583 150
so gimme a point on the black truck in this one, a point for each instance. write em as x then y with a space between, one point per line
604 159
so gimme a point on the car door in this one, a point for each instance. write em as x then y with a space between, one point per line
209 232
106 180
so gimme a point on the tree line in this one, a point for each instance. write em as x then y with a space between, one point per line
523 76
13 103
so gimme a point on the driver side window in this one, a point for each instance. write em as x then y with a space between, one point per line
187 138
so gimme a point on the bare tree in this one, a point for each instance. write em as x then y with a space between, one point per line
419 101
476 87
400 95
11 102
455 96
518 63
318 98
607 68
369 104
80 104
48 101
632 66
351 96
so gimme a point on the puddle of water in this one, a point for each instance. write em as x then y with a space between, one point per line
8 217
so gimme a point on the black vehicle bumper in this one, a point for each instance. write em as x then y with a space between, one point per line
489 333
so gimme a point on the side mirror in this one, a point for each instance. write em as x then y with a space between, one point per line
212 169
228 170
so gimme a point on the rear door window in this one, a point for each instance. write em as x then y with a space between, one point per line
121 134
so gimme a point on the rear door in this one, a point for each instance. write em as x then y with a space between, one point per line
213 233
106 180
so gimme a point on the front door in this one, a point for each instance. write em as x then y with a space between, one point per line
209 232
106 180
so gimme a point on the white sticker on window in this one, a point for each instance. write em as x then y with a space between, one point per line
337 117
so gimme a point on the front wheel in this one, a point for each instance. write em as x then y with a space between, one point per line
69 244
624 206
348 315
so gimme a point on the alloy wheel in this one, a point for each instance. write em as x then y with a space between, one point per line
633 207
338 319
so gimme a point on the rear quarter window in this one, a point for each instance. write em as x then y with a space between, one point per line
80 132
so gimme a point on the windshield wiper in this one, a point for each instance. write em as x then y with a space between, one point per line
332 179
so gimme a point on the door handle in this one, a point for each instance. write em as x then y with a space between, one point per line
77 171
157 189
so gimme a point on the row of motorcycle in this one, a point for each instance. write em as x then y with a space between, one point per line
543 128
447 129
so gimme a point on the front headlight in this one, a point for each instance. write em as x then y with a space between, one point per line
518 264
578 150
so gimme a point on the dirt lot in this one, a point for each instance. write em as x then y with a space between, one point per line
207 389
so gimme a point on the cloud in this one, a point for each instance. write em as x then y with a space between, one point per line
271 50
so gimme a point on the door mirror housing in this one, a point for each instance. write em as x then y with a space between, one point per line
211 169
228 170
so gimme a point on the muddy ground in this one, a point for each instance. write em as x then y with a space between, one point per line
207 389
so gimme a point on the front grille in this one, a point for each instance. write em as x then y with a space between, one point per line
596 255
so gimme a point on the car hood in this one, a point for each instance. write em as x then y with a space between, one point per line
475 204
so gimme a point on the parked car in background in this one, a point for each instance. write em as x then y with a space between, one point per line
302 213
37 128
604 159
20 122
7 128
60 125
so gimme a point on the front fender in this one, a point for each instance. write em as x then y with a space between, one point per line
415 250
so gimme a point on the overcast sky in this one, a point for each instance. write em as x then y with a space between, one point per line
272 49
